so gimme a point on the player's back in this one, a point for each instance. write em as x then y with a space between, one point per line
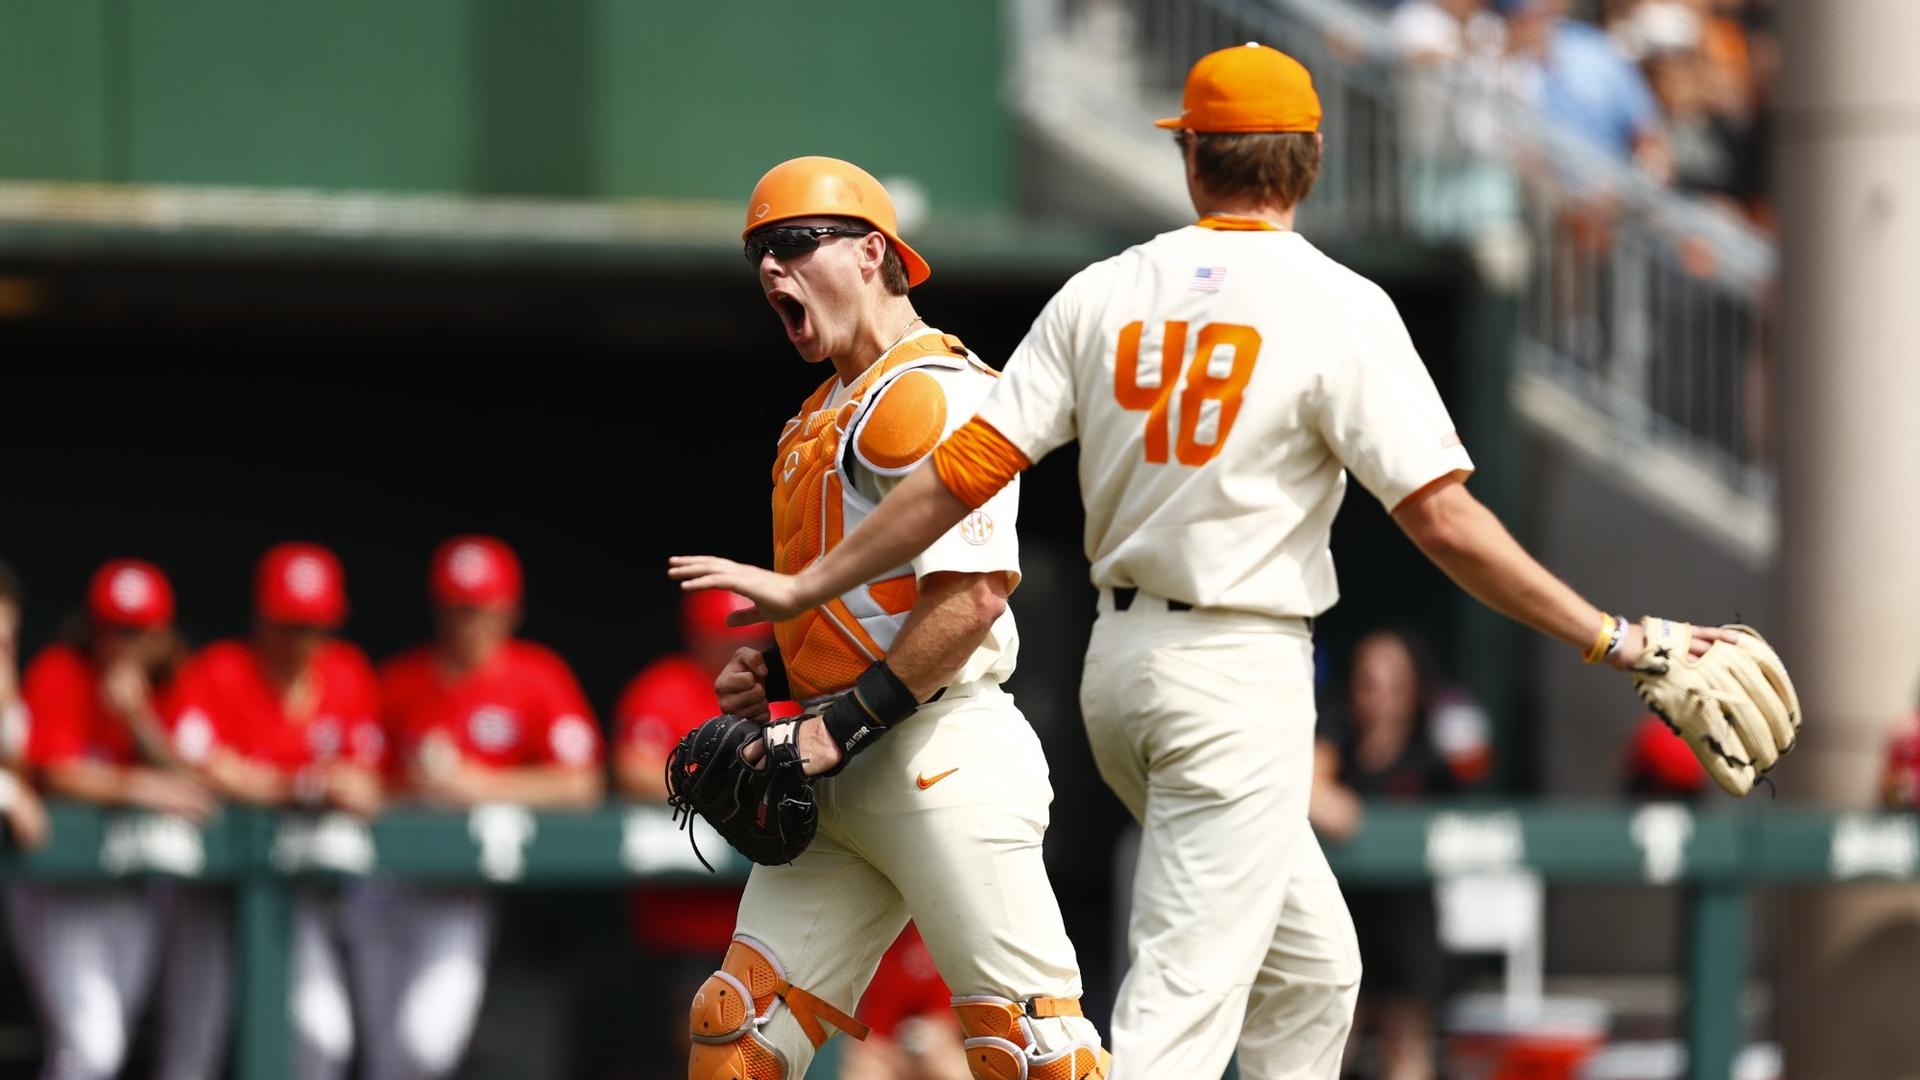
1221 379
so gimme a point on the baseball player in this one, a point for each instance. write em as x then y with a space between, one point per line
96 734
1223 379
681 926
20 805
288 717
943 818
476 716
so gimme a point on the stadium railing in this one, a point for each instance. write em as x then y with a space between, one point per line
1715 857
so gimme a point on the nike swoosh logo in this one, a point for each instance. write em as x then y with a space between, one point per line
926 781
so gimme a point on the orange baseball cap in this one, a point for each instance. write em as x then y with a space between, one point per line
1247 88
829 187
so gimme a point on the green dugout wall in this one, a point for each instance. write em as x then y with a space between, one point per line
1715 857
579 98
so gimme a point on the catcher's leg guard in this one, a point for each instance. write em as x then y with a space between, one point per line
1001 1045
736 1001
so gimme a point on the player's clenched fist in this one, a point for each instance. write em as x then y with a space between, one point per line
741 686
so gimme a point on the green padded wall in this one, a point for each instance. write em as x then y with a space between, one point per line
569 98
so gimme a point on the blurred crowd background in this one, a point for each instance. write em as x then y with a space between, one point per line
447 297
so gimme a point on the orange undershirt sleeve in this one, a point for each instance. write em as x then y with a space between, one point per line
976 461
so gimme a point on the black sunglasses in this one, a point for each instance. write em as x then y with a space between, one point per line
789 241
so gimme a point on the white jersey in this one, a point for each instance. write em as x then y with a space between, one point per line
1222 381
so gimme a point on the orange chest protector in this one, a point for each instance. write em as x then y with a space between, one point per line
815 504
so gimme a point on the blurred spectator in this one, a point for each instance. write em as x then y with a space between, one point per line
1660 765
915 1035
20 806
96 705
286 718
1453 118
1581 82
685 929
1900 782
1376 745
1696 63
476 717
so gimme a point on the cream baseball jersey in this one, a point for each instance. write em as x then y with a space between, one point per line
1222 380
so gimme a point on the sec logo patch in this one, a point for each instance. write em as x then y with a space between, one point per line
976 528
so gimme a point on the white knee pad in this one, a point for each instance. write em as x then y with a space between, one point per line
1002 1042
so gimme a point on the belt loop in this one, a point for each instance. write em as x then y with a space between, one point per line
1123 597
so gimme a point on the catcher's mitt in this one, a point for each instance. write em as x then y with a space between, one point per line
766 810
1734 705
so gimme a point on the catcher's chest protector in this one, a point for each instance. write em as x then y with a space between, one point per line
815 504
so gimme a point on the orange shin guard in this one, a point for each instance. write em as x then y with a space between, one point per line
736 1001
1000 1042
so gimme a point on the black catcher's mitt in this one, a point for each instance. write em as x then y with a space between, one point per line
766 810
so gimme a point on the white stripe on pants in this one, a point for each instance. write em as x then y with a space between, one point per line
1202 723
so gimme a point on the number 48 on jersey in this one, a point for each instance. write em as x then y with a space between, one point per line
1223 359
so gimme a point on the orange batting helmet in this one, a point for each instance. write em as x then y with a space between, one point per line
829 187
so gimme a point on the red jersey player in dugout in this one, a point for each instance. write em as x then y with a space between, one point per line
96 709
476 716
681 927
288 717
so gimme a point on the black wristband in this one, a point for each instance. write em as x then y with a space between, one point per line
877 701
775 683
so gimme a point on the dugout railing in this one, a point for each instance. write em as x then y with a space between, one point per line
1715 858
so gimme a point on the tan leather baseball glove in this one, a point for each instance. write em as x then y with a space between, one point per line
1734 705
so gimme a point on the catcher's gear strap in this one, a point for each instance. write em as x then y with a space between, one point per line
877 701
738 999
1001 1045
776 680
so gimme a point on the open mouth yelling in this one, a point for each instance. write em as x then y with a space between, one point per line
793 314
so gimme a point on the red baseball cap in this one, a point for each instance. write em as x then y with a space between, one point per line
474 571
300 583
704 614
1663 757
130 593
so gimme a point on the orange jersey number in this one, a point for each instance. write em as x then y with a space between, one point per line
1205 383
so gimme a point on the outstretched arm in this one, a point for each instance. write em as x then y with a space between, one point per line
911 517
1463 538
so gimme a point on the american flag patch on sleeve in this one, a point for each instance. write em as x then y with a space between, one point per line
1208 279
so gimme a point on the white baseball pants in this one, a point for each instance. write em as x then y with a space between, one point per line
1202 723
